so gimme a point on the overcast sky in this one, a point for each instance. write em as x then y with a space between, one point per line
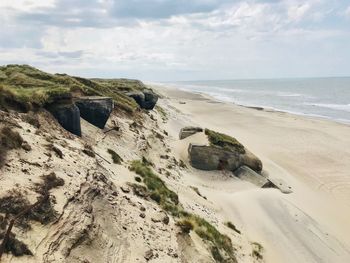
178 39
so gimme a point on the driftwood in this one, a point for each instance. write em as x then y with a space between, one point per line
103 158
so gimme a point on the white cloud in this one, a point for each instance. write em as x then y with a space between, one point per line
26 5
236 39
347 11
297 12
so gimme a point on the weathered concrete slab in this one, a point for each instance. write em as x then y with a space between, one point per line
247 174
211 158
280 184
188 131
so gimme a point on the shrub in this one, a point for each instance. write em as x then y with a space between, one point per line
225 141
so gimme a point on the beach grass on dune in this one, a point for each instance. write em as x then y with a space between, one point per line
30 87
225 141
220 244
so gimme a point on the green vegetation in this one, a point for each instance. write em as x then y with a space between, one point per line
162 113
155 185
25 87
115 157
220 244
225 141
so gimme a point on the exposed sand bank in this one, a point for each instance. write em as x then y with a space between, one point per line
312 155
102 218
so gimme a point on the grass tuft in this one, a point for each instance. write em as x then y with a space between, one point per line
162 113
156 186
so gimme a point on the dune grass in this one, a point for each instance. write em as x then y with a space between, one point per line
29 87
225 141
220 244
162 113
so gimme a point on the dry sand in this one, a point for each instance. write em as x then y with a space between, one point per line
311 155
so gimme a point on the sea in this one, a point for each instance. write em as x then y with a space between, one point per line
319 97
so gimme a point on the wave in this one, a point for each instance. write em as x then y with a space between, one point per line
276 99
342 107
282 94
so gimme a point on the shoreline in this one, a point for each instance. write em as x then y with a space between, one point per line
308 153
252 106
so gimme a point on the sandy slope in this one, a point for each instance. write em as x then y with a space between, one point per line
99 217
311 155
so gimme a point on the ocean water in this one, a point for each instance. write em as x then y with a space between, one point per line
320 97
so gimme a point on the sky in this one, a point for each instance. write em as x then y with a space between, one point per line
167 40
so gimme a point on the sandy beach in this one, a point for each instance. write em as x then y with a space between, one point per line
311 155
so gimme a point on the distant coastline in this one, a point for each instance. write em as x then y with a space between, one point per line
325 98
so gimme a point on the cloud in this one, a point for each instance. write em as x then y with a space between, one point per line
26 5
347 11
178 39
